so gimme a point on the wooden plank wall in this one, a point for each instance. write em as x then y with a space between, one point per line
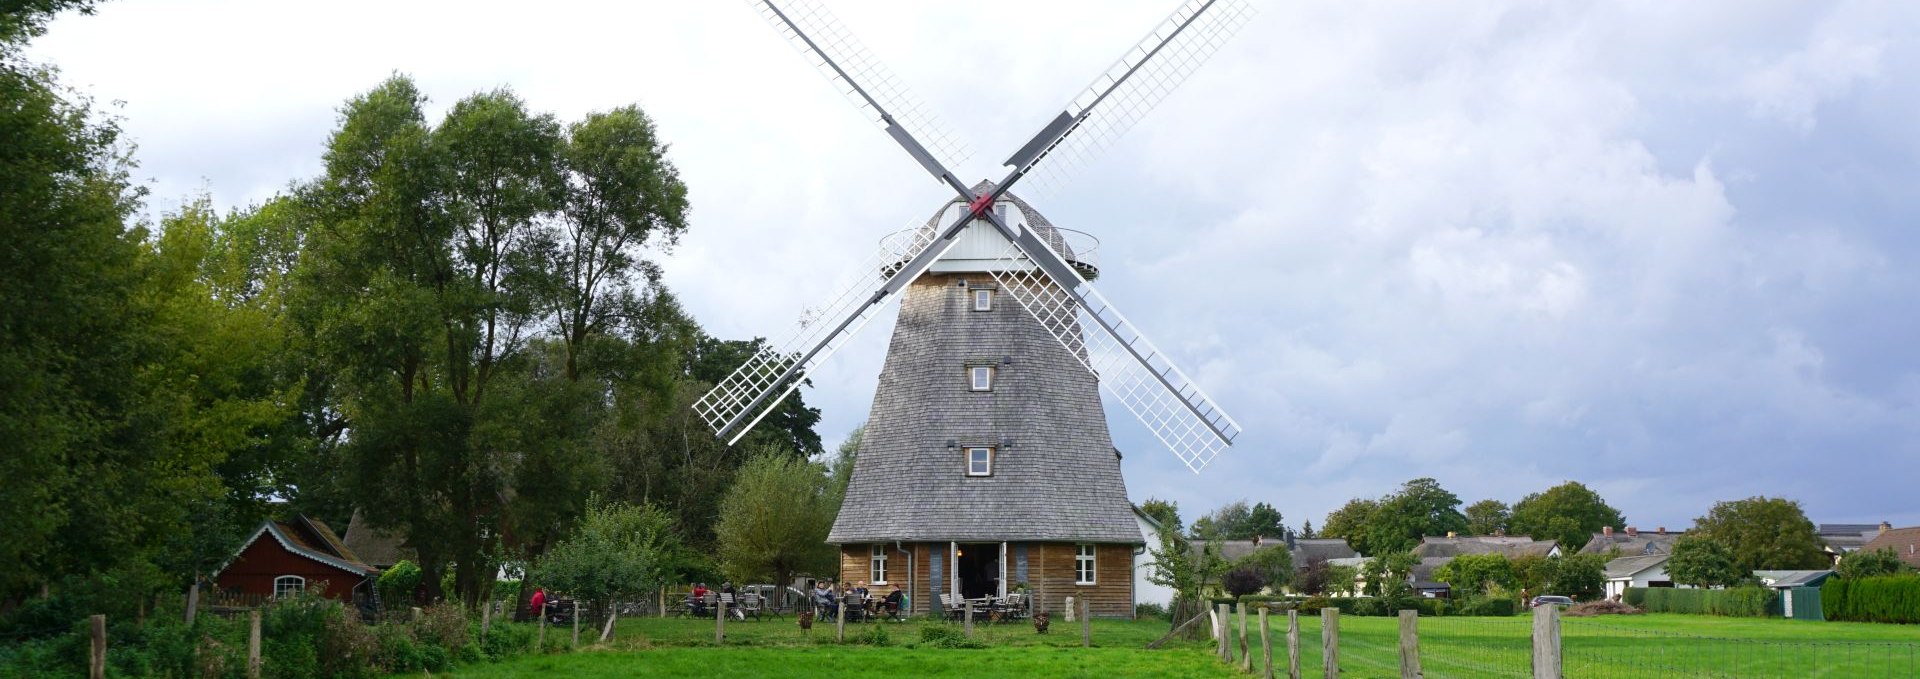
1049 575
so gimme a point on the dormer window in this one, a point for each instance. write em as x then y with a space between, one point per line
983 299
980 378
979 462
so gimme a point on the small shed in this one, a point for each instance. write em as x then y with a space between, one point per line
1799 591
286 558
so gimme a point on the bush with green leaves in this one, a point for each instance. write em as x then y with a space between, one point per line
1877 563
398 584
618 552
1892 599
1149 610
1749 602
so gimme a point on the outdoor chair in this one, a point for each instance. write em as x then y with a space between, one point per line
751 605
683 606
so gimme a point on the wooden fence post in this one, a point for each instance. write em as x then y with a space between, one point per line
542 643
720 622
1546 642
1086 622
607 631
193 600
253 644
1266 645
969 618
1246 658
1330 642
486 619
97 661
576 623
663 602
840 624
1220 632
1293 644
1410 645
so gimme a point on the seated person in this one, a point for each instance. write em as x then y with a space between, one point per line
895 599
700 598
823 599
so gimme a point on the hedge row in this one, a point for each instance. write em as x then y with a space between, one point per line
1370 606
1749 602
1894 598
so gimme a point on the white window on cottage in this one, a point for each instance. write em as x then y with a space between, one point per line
1083 565
980 378
979 462
287 586
878 565
983 299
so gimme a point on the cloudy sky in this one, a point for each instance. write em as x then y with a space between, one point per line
1666 249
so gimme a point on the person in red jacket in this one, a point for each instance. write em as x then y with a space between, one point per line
539 602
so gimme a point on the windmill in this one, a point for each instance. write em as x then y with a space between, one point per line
987 463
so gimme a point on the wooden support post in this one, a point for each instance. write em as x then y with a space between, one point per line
97 662
969 617
193 600
663 602
1546 642
1246 658
486 619
606 632
1293 644
1266 645
1410 645
1182 627
576 623
1086 622
720 622
253 644
542 643
840 624
1220 632
1330 642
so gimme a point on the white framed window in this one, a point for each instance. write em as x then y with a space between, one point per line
979 462
288 586
983 299
878 566
980 378
1083 564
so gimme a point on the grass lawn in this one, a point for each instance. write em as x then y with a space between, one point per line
1658 645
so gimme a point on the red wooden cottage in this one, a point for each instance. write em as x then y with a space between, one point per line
285 558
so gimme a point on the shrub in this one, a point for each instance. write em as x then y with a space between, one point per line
1593 608
1749 602
1243 581
1636 597
947 636
1488 606
876 635
398 584
1892 599
1149 610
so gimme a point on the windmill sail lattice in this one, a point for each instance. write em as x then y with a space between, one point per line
1129 367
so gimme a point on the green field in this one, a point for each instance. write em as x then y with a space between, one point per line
1630 646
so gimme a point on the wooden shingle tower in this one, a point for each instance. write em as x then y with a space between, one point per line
987 465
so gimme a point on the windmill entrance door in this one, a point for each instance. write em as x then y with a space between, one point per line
979 569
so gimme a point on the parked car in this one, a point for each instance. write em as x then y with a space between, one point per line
1550 600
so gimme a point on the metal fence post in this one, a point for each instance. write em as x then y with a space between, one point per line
1546 642
1330 642
1410 644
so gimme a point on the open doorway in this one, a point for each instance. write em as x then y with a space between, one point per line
979 570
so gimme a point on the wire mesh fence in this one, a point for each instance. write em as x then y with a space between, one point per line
1606 649
1476 647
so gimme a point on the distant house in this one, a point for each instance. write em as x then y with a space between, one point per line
1787 582
377 548
1632 542
1326 549
1840 539
1145 591
1644 570
1905 543
285 558
1513 546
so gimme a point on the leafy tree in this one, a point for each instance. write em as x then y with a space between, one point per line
789 425
618 552
1700 561
1306 530
1386 568
1764 533
1477 573
1580 576
1532 573
775 518
1342 579
841 466
1312 578
1487 517
1225 523
1420 508
1242 581
1273 561
1264 521
1178 564
1165 512
1569 514
1875 563
1350 521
